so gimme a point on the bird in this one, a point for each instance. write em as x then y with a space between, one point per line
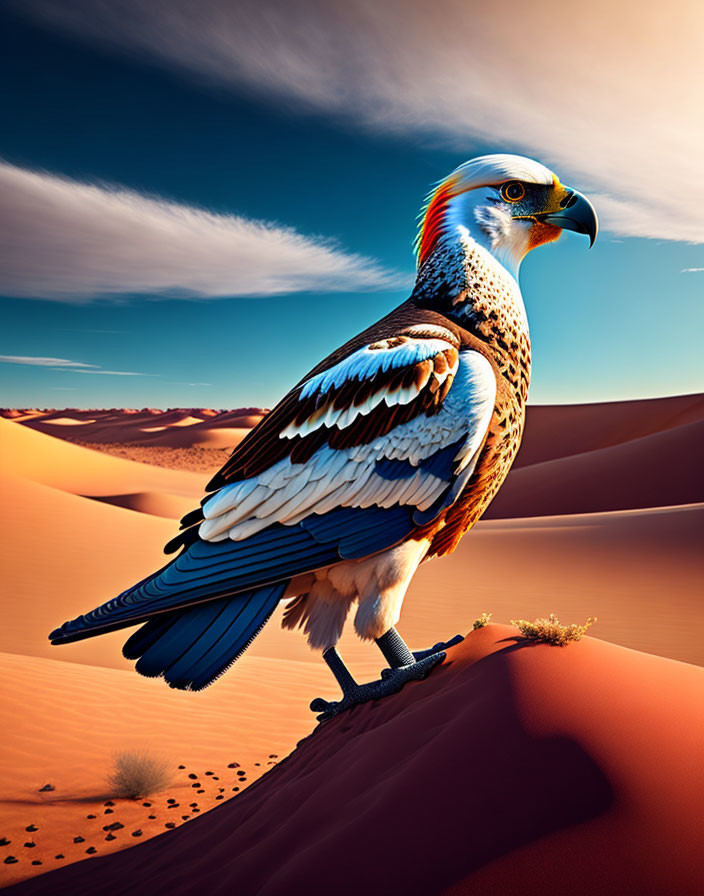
378 460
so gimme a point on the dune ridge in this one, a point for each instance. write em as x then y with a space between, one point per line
515 767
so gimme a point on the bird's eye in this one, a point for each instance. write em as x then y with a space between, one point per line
513 191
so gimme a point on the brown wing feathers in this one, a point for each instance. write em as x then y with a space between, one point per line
264 446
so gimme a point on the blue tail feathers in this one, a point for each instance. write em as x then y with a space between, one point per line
192 647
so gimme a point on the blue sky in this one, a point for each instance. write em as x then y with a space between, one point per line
340 193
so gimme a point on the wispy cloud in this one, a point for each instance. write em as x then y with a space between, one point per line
112 372
75 242
65 365
692 270
33 361
605 95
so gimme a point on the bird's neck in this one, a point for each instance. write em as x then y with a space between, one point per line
463 280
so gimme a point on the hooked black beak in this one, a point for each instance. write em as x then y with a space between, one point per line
577 214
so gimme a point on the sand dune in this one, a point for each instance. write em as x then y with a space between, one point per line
653 471
179 427
514 768
68 720
639 572
82 525
554 431
57 463
171 507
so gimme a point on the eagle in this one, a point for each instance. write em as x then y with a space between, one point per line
378 460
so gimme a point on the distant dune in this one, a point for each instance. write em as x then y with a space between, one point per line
554 431
514 768
175 428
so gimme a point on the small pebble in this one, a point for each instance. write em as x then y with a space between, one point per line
197 784
110 837
4 841
91 816
171 800
30 844
137 833
193 777
37 862
31 828
60 856
182 766
152 817
220 797
193 805
257 763
147 805
210 773
221 790
200 791
108 803
174 806
215 778
235 789
234 765
115 826
46 788
10 860
91 850
196 810
273 756
170 824
79 839
185 817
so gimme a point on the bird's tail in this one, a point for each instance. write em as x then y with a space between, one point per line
192 647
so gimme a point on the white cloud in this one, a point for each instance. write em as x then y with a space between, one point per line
605 93
64 365
42 362
692 270
74 242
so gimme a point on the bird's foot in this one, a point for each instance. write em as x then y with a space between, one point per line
437 648
391 682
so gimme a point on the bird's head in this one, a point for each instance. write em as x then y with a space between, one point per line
508 204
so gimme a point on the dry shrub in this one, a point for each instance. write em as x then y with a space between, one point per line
481 621
551 630
137 774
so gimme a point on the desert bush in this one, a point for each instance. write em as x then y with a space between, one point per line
481 621
137 774
551 630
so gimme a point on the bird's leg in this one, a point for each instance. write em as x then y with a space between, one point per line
397 654
342 674
404 667
395 649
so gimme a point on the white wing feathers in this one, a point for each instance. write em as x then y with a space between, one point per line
288 492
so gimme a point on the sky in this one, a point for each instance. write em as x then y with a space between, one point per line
199 201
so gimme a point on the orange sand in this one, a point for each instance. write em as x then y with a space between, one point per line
83 525
514 768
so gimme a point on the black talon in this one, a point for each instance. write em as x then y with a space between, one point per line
404 666
391 682
436 648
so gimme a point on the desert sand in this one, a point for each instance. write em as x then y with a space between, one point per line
83 524
516 767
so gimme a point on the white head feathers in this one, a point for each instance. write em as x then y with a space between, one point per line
500 167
